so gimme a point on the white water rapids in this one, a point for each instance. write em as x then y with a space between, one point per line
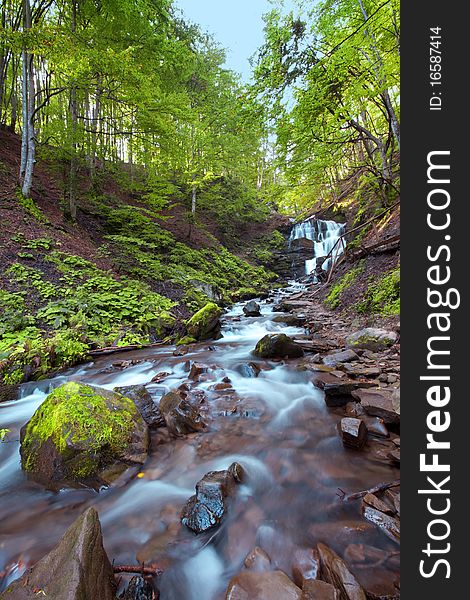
326 239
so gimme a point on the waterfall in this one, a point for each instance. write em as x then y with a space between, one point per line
325 236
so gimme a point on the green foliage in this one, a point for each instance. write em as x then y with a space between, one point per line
30 207
263 250
28 276
3 434
383 295
333 300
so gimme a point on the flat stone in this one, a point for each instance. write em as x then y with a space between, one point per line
372 338
258 560
353 432
389 525
338 390
305 565
335 571
319 590
380 403
76 568
180 416
372 500
271 585
345 356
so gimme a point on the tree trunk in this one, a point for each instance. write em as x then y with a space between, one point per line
72 207
193 200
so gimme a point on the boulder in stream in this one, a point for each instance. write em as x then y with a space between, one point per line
278 345
269 585
336 572
181 417
353 432
80 430
141 397
208 506
381 403
76 568
252 309
205 324
314 589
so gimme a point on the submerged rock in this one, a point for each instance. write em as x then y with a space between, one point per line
141 397
338 390
314 589
335 571
80 430
278 345
353 432
205 324
76 569
208 506
305 565
372 338
252 309
270 585
257 560
179 414
290 320
138 589
250 369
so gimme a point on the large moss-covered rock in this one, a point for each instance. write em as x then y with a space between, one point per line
80 430
372 338
278 345
205 324
76 569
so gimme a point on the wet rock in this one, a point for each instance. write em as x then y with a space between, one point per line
75 569
389 525
290 320
338 390
258 560
197 369
269 585
186 340
141 397
252 309
305 565
393 498
395 455
381 403
314 344
372 500
278 345
180 416
9 392
335 571
221 387
78 431
354 409
319 590
205 324
250 370
372 338
208 506
181 351
376 426
138 589
353 432
159 377
356 370
331 360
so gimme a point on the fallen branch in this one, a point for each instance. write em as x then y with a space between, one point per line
380 487
113 349
151 570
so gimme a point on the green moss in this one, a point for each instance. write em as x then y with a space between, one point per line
186 340
383 295
75 414
201 324
333 299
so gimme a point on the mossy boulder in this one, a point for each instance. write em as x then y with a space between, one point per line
80 430
372 338
186 341
278 345
205 324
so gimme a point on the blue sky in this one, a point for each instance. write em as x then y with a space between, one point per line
236 24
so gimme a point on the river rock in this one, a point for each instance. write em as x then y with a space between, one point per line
205 324
353 433
335 571
372 338
346 356
305 565
77 568
9 392
278 345
138 589
252 309
250 369
381 403
208 506
338 390
141 397
314 589
372 500
80 430
257 560
271 585
197 369
389 525
181 417
290 320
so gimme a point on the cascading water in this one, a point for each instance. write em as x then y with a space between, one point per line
325 236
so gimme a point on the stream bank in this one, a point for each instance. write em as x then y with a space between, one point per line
272 419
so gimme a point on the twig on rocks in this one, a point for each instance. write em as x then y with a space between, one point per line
151 570
380 487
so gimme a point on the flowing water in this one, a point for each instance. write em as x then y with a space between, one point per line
326 238
276 425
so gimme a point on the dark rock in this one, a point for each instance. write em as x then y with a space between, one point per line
389 525
381 403
376 426
338 390
331 360
138 589
305 565
180 416
335 571
269 585
9 392
257 560
372 338
76 569
252 309
372 500
181 351
205 324
80 430
141 397
393 498
353 432
159 377
196 370
250 369
278 345
314 344
314 589
208 506
290 320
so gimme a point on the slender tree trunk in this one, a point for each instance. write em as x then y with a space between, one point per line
28 146
24 112
72 207
31 156
193 199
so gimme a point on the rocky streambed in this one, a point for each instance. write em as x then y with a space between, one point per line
265 477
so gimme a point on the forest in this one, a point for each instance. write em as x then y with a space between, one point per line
200 289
